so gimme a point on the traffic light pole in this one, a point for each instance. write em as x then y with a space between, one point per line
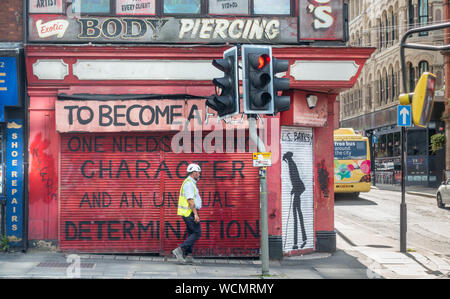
264 256
403 213
403 46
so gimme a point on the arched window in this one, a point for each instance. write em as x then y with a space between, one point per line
369 93
381 94
423 67
381 34
386 32
386 91
423 15
393 27
393 84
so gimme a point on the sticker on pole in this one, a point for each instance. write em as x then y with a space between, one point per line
262 159
404 115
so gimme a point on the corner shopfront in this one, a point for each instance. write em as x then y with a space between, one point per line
111 184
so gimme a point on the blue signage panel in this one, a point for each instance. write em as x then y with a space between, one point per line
404 115
14 181
8 84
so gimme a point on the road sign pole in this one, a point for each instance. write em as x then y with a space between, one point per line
264 256
403 222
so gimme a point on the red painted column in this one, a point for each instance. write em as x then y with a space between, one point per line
324 180
274 177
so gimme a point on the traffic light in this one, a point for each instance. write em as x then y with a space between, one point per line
257 81
281 103
226 99
421 100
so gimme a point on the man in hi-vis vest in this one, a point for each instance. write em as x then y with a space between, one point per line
189 202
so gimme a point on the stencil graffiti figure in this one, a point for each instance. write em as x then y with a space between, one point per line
297 189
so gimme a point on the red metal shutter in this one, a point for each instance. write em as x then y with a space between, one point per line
229 188
106 188
119 193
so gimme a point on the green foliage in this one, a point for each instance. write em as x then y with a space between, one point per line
4 243
437 142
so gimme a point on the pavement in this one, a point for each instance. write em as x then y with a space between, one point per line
348 262
413 190
39 263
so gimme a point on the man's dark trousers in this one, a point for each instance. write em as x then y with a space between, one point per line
194 232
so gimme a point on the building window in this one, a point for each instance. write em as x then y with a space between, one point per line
393 84
174 7
130 7
381 35
182 6
417 143
393 27
91 6
423 15
412 83
381 94
386 32
423 67
410 14
386 82
229 7
272 7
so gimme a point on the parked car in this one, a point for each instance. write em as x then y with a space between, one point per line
443 194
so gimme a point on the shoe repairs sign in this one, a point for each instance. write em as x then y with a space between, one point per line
14 181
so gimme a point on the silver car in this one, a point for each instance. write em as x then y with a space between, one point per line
443 194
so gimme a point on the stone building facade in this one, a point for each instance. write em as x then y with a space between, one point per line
371 105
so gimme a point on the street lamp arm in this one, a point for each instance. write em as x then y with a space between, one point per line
404 45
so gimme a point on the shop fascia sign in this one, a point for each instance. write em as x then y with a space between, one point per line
134 115
322 20
135 29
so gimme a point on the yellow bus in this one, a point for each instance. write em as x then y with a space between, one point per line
351 162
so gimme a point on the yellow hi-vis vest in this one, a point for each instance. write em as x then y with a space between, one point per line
183 204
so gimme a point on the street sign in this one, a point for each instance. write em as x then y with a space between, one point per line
422 99
404 115
262 159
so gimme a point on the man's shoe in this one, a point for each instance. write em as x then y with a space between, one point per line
189 259
179 255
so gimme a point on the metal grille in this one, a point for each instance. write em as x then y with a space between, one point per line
297 186
63 265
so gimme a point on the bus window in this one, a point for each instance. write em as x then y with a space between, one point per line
350 150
